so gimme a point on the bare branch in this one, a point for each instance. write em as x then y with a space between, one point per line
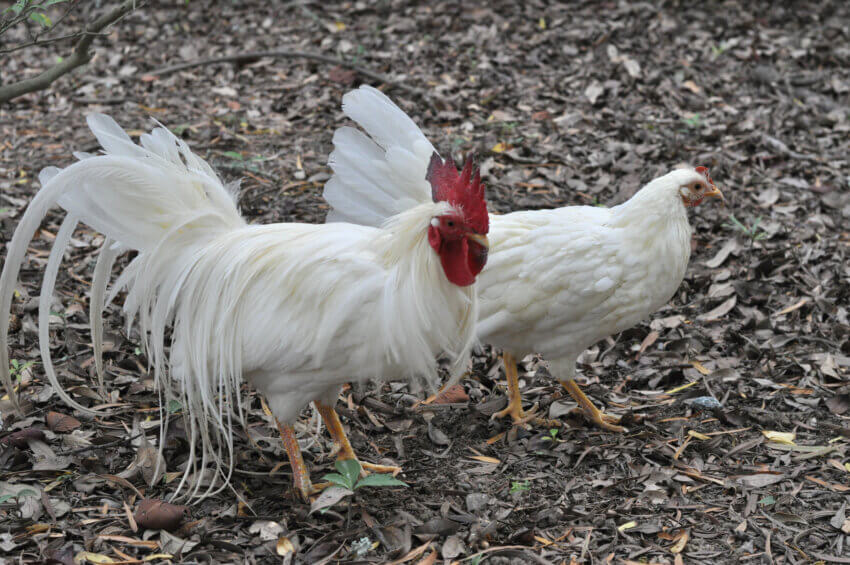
41 42
282 53
79 57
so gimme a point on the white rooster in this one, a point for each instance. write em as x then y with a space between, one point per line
558 281
296 309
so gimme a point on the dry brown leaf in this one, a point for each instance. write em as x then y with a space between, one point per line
786 438
20 438
284 547
429 559
455 394
61 423
682 540
692 86
832 486
412 554
155 514
758 480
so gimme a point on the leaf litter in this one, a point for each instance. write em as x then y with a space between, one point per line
737 391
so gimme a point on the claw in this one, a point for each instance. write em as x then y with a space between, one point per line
514 407
366 468
342 447
591 412
515 411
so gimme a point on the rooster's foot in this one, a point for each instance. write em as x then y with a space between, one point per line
519 416
366 468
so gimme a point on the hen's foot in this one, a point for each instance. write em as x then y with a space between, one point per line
590 411
514 408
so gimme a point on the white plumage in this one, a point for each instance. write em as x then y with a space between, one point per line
373 182
296 309
559 280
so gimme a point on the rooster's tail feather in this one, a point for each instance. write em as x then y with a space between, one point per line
158 198
382 174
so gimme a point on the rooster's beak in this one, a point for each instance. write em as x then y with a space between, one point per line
479 239
714 193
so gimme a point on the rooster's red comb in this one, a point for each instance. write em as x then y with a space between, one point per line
465 191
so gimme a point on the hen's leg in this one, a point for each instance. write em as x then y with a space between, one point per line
514 407
300 475
592 413
342 447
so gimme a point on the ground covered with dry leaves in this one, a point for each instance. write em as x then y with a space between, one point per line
736 394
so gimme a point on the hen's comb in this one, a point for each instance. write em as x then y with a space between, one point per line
704 172
464 190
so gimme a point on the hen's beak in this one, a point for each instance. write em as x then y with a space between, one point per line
479 239
714 193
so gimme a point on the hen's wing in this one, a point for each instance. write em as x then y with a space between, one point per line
551 280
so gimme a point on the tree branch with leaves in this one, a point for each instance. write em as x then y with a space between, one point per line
24 11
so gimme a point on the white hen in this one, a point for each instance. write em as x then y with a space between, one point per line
559 280
296 309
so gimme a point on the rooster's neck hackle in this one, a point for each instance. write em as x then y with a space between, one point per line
418 288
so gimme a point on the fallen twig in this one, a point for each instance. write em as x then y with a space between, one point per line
284 53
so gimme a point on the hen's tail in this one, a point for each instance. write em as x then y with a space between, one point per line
157 198
381 174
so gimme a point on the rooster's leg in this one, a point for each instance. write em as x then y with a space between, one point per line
592 413
300 475
342 447
514 408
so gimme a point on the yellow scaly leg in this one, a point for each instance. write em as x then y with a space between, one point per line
342 447
592 413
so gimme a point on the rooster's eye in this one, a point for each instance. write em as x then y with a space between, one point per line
450 223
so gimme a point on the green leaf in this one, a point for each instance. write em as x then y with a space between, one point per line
41 18
519 486
339 480
26 492
52 2
174 406
693 121
767 501
380 480
233 155
17 7
348 468
5 497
